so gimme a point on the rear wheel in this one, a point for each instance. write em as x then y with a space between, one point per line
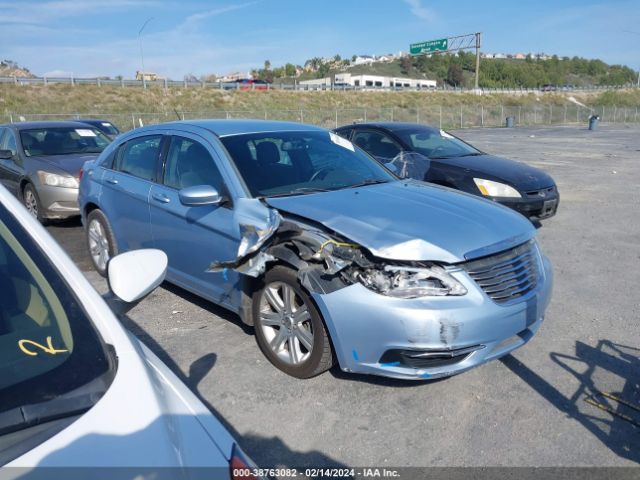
289 329
100 240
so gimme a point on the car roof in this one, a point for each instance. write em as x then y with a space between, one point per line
30 125
391 126
96 120
223 128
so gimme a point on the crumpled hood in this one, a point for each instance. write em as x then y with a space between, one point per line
414 221
518 174
71 163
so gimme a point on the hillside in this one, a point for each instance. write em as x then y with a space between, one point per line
9 68
458 70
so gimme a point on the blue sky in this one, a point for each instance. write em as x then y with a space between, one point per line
100 37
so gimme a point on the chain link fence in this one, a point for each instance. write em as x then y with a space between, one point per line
447 117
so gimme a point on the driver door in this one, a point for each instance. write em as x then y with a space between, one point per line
194 236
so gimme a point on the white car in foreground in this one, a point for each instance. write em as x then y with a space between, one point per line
77 390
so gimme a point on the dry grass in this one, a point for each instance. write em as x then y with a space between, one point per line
85 99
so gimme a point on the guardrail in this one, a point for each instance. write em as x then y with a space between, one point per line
165 83
447 117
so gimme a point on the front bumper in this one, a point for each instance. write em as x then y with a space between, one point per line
365 326
537 205
58 202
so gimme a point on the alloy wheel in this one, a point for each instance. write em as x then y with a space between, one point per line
98 244
286 323
31 202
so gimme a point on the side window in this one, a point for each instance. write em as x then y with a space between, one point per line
376 144
10 142
139 157
189 164
110 161
345 132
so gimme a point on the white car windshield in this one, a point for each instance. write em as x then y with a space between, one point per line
48 346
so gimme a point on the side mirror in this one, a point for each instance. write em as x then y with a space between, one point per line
391 166
6 154
134 275
200 195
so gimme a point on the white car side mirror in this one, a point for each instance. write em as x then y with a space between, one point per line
135 274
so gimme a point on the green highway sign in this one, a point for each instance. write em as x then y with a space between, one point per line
440 45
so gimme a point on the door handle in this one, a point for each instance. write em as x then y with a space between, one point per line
160 197
112 181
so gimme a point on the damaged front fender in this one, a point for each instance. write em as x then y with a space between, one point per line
257 224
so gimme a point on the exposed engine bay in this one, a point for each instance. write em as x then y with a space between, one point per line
326 262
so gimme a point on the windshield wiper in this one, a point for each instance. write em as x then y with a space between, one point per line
368 181
70 404
298 191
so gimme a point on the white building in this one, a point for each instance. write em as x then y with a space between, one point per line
378 81
363 60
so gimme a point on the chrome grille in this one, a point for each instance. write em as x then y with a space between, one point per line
507 275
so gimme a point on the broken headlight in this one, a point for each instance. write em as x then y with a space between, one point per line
410 282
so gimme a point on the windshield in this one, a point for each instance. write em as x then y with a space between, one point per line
436 143
48 346
62 140
289 163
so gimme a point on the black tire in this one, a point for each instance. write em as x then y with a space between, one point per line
31 202
97 216
321 357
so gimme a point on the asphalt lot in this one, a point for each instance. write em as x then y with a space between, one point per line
528 409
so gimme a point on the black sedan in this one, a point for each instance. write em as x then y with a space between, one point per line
433 155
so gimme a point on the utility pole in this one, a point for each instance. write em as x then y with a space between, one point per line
144 79
478 61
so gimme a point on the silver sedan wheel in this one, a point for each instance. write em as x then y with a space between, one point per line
31 202
286 323
98 244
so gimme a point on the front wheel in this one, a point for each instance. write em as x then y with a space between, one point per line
289 329
100 240
32 203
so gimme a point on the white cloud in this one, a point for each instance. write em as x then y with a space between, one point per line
195 18
58 73
420 11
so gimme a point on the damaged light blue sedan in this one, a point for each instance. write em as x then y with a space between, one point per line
326 253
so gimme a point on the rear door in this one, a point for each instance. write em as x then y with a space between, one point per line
11 170
193 236
126 187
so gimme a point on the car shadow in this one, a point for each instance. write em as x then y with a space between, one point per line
72 222
382 381
265 451
208 306
595 367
